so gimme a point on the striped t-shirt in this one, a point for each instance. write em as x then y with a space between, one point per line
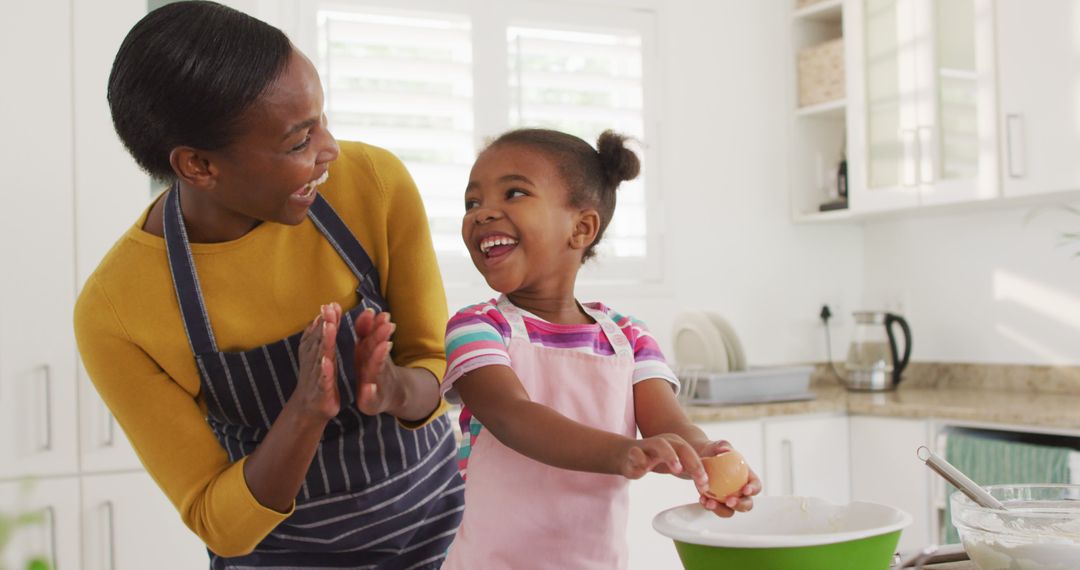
479 335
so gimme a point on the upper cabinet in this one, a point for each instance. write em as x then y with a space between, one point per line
1039 95
921 107
947 102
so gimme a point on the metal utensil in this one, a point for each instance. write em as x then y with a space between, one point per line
933 554
958 479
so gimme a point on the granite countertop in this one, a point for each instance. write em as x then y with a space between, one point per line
1033 409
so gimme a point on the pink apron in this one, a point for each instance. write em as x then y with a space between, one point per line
520 513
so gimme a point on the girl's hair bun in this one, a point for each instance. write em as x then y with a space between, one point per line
617 162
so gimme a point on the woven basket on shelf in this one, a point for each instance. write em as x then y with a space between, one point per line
821 73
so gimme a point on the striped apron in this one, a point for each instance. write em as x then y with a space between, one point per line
376 495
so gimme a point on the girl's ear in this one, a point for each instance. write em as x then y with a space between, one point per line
585 229
193 168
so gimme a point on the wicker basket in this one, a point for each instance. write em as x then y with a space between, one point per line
821 73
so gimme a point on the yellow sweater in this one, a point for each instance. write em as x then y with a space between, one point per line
262 287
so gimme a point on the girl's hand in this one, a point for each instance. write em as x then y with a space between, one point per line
378 388
316 388
741 501
664 453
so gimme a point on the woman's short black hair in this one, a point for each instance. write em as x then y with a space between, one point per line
184 75
591 176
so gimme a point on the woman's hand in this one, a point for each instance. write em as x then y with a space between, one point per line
664 453
378 388
316 389
740 501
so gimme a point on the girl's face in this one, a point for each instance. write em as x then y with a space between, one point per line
519 227
282 151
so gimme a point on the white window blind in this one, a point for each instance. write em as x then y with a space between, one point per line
403 75
584 83
404 81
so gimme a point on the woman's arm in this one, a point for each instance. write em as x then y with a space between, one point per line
167 428
381 386
414 291
275 471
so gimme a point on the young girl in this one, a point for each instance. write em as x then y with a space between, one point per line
553 389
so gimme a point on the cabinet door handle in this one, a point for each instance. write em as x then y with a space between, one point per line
108 426
926 158
909 164
108 538
45 432
49 514
1015 145
788 453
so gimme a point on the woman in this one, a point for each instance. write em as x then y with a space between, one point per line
282 440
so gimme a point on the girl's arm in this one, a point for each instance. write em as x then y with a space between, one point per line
658 412
495 396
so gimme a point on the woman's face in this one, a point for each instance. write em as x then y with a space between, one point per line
518 222
281 152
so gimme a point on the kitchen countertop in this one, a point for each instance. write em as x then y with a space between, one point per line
1044 410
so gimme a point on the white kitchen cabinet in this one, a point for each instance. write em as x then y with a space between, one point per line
110 193
807 456
38 431
127 523
55 537
885 469
1039 71
654 493
921 117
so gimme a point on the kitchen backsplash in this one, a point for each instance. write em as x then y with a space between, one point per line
968 376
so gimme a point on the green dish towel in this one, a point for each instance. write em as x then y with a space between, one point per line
990 461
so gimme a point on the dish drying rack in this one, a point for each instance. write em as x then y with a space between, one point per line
756 385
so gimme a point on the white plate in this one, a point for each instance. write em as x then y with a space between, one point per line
698 344
735 353
781 522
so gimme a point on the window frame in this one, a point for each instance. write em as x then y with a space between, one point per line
491 97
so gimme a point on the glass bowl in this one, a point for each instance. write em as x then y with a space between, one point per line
1039 531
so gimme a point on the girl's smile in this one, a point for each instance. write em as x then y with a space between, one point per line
496 246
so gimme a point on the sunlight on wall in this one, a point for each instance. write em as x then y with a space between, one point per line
1044 300
1047 301
1049 356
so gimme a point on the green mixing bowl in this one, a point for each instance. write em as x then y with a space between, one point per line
786 533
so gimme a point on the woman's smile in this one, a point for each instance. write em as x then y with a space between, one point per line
305 196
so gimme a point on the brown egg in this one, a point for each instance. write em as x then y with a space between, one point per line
727 474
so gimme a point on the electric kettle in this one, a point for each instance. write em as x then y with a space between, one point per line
873 361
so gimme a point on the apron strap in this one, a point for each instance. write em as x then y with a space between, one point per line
330 224
186 280
513 316
614 335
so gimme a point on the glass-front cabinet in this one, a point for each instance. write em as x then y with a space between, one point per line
921 103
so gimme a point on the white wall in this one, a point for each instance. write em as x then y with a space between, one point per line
729 245
991 286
